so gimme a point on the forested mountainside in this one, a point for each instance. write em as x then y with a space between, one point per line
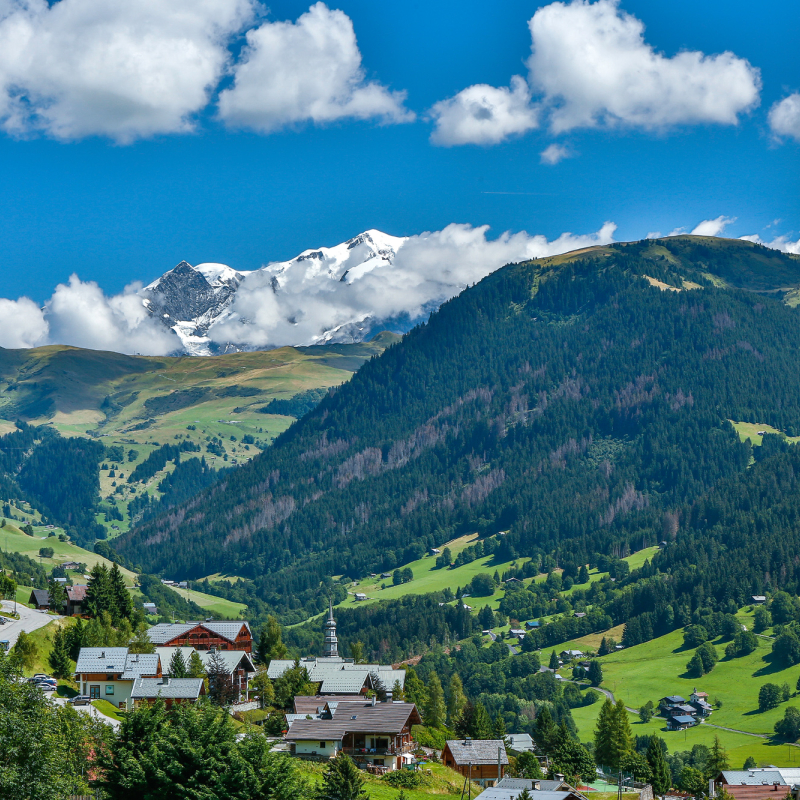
581 403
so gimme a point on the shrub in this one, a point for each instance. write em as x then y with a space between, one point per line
769 696
694 635
403 779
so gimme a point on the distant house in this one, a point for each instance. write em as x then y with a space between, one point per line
435 551
568 655
762 783
183 584
150 608
146 691
520 742
669 702
680 722
360 596
512 580
386 574
76 597
60 580
482 760
40 599
533 623
758 599
517 632
579 614
70 565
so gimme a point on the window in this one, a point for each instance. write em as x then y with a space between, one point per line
322 745
94 692
109 690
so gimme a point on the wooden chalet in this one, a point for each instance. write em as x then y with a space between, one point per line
218 634
377 736
481 760
171 690
40 599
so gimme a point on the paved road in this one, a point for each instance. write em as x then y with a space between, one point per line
29 620
91 711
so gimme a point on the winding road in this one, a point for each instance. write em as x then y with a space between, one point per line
29 620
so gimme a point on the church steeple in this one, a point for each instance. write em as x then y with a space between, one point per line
331 642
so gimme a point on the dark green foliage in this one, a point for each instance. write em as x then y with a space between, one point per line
106 592
595 673
597 414
659 769
169 601
59 659
788 728
786 648
158 459
744 643
482 585
297 406
770 696
762 619
342 780
528 766
177 665
694 635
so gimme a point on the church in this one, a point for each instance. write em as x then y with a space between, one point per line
337 675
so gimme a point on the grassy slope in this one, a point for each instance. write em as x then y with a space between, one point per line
216 605
657 668
66 387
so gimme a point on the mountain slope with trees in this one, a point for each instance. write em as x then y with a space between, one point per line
579 403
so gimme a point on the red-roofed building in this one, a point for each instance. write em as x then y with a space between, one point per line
76 597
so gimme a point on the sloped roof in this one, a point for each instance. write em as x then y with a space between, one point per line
231 658
41 597
77 594
117 661
173 689
674 698
520 741
477 751
683 719
167 631
343 682
755 777
305 704
356 717
507 793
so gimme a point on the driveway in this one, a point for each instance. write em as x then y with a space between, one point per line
29 620
91 711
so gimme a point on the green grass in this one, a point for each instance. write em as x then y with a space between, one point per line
110 710
750 430
442 782
13 539
654 669
216 605
43 639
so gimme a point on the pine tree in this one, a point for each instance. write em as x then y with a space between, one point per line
221 688
195 667
553 660
141 641
481 723
434 710
622 739
662 777
717 760
415 689
603 735
595 673
397 691
270 641
58 596
571 758
499 728
177 665
456 700
59 656
342 780
544 730
120 598
604 648
98 591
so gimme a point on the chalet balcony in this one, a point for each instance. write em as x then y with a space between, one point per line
391 750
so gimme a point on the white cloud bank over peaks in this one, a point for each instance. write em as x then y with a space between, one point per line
783 243
309 70
126 69
294 303
79 314
484 114
784 118
591 67
712 227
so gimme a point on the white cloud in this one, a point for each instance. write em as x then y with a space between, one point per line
428 269
124 70
23 323
80 314
783 243
309 70
591 62
712 227
484 114
554 153
784 118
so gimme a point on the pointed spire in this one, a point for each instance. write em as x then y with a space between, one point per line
330 609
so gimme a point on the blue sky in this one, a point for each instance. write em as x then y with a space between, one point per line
84 191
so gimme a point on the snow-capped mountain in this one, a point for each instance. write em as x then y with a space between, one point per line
203 302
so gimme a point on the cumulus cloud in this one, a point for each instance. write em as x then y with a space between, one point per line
23 323
428 269
124 70
80 314
712 227
784 118
591 67
554 153
594 67
782 243
484 114
309 70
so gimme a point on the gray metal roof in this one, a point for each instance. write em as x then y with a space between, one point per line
117 661
356 717
233 659
173 689
312 705
756 777
509 793
533 783
520 741
477 751
683 719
